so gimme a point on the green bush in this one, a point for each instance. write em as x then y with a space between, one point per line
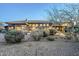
52 31
50 38
13 36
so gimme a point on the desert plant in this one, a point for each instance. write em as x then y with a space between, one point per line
50 38
24 32
45 33
13 36
72 36
68 36
52 31
75 37
36 35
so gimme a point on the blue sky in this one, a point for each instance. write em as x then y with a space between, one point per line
21 11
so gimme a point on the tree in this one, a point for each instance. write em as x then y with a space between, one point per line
74 13
71 13
54 15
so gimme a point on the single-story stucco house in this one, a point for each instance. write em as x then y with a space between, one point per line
31 25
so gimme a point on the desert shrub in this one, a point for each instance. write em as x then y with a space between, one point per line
24 32
45 33
50 38
13 36
75 37
36 35
52 31
68 36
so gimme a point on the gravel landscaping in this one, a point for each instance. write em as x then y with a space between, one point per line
58 47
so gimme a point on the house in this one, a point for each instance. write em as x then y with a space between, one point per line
32 25
17 25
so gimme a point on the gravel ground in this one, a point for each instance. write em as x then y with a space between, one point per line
39 48
55 48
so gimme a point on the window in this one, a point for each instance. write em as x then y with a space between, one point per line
40 24
44 24
36 24
33 24
18 28
47 24
10 28
30 24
